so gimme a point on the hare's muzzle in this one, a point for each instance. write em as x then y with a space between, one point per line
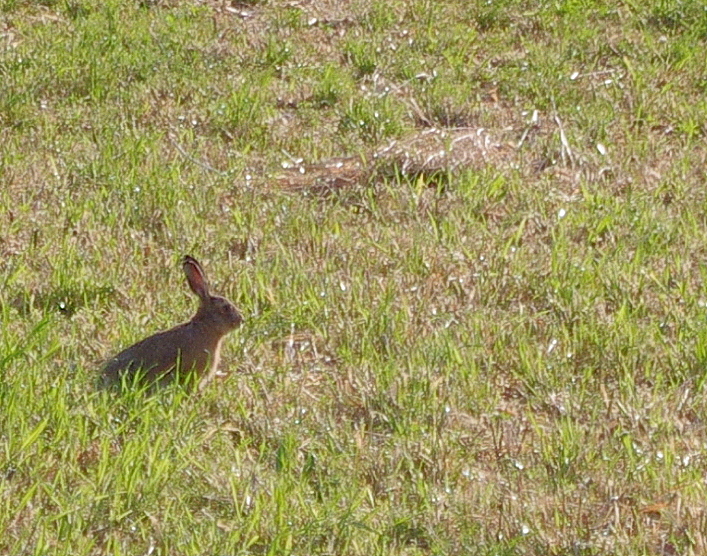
231 315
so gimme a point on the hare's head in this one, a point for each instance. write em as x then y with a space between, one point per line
214 310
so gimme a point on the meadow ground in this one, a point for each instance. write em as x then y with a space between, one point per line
469 240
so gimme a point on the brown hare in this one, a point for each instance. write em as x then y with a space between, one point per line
186 352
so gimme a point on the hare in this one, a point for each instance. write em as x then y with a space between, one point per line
187 351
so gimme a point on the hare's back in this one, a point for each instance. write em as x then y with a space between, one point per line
156 357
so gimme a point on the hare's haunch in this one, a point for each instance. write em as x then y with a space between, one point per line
189 349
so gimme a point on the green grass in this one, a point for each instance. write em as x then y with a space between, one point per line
500 358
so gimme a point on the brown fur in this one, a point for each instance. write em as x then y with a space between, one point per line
189 349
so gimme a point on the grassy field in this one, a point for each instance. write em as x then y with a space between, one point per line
468 239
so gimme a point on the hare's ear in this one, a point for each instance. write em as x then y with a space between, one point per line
195 277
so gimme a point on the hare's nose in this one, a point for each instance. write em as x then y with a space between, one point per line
236 316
